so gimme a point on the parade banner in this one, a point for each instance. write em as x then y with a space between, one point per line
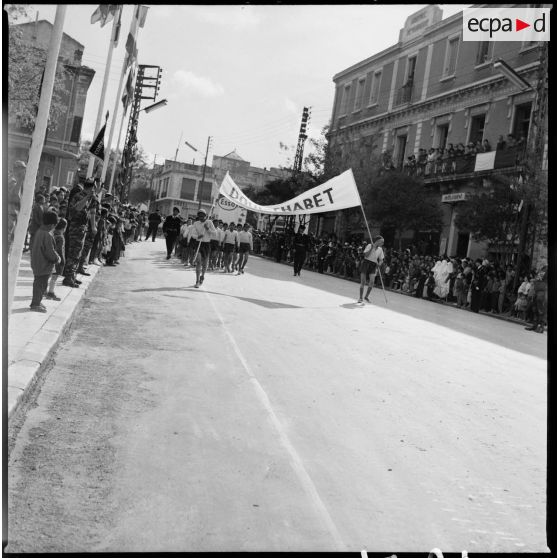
339 192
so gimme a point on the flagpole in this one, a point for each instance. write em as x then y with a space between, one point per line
112 46
35 151
133 30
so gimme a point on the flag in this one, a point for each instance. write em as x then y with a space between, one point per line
131 50
142 14
104 13
339 192
117 29
129 91
98 146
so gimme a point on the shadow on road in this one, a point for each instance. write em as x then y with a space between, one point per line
260 302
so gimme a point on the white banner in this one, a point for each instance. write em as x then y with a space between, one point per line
485 161
339 192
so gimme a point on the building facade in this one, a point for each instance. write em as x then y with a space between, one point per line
59 160
429 90
183 185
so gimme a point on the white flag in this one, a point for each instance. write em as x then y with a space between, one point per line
142 14
339 192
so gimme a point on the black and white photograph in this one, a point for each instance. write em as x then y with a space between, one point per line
278 278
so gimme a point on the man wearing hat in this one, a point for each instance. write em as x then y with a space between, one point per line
78 213
201 232
300 245
373 257
171 229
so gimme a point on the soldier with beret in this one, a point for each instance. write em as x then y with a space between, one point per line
78 210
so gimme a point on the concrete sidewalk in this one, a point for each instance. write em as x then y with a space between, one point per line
33 336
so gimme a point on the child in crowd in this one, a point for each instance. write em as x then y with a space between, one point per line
43 259
59 246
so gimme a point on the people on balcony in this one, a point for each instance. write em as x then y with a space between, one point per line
459 158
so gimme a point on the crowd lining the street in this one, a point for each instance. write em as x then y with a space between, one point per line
476 285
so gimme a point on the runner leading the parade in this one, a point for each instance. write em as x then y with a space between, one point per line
373 257
201 233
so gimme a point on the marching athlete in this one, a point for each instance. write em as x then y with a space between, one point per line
201 233
229 243
220 238
373 257
214 245
236 254
245 244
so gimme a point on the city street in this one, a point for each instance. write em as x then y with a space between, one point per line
270 412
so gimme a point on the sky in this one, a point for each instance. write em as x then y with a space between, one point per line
240 74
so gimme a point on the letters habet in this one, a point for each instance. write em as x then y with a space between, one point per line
339 192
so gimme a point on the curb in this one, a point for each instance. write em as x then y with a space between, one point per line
450 305
24 373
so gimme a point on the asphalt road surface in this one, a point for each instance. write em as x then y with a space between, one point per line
268 412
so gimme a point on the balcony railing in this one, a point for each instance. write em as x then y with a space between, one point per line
404 94
453 167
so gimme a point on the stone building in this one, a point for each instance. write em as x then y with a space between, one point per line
59 160
180 184
432 89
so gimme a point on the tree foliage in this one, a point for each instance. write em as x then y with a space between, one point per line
491 215
400 201
26 64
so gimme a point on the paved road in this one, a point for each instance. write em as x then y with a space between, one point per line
267 412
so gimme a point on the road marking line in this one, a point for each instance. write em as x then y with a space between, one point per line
296 460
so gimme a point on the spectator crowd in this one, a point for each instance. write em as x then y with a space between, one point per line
459 158
476 285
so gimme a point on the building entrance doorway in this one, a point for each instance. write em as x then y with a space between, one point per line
462 245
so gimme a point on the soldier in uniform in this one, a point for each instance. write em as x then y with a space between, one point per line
78 208
89 238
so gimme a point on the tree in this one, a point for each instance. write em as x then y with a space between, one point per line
141 194
397 200
26 63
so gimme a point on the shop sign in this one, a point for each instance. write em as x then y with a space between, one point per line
456 197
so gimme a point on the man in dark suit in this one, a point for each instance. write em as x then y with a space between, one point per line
154 222
171 229
300 245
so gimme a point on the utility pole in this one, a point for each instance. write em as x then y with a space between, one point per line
203 172
297 166
143 81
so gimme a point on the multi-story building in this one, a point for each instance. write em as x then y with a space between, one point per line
429 90
59 160
181 185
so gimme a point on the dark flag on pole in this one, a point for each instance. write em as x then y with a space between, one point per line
98 146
